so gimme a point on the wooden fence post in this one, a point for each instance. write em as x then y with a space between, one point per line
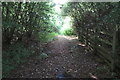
86 36
95 40
113 51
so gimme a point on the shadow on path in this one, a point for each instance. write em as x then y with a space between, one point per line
65 54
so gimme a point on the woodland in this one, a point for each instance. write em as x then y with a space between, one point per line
61 40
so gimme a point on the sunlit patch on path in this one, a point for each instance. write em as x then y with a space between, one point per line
67 37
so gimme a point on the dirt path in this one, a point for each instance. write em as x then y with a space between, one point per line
65 54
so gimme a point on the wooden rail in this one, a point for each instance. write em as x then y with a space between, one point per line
106 45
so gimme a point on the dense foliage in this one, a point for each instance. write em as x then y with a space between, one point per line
25 20
22 24
93 15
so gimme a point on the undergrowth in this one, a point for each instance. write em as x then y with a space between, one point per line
13 56
46 37
17 53
69 32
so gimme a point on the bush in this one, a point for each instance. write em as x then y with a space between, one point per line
45 36
14 56
69 32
